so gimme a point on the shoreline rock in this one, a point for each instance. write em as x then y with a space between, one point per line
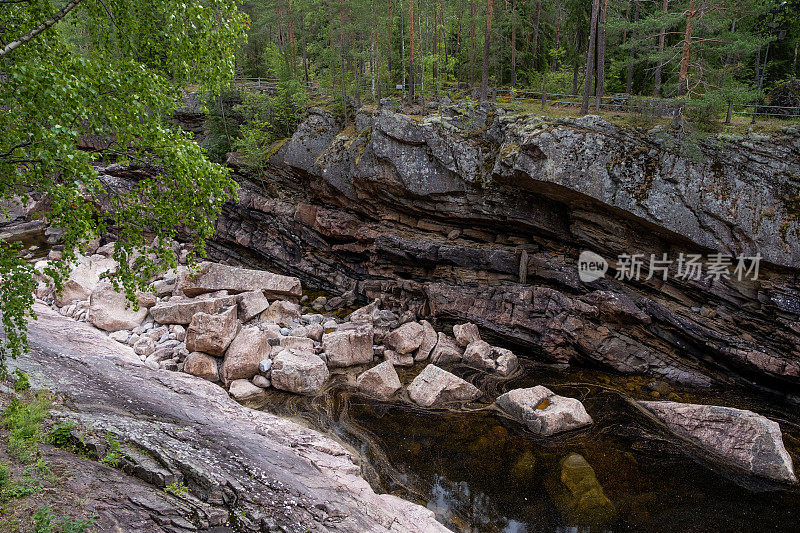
434 386
743 438
542 411
256 468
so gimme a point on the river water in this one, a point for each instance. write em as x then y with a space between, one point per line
482 472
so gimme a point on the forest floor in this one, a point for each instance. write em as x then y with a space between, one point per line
740 124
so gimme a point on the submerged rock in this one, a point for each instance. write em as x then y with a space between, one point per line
299 372
435 386
743 438
380 381
580 498
543 411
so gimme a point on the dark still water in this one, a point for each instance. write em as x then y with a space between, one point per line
482 472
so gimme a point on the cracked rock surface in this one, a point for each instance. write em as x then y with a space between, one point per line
256 470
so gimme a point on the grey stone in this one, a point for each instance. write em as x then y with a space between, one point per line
743 438
466 334
405 339
299 372
282 312
201 365
181 310
398 359
434 386
429 340
243 390
244 355
479 355
251 304
542 411
212 277
212 333
446 350
112 311
380 381
349 346
261 381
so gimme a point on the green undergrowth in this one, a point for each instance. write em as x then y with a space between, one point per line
25 475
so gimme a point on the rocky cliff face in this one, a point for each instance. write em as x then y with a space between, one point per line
473 215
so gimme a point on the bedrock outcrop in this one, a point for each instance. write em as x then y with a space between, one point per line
246 468
472 215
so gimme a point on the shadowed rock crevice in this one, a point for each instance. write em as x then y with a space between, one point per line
484 223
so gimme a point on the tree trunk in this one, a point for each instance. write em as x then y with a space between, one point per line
305 56
794 60
292 46
587 82
486 39
683 76
472 43
403 51
576 66
558 41
601 58
513 43
411 54
357 68
343 68
421 54
389 36
660 65
457 51
40 28
435 44
631 53
758 67
377 66
535 43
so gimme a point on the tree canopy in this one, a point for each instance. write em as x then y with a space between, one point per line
640 47
112 70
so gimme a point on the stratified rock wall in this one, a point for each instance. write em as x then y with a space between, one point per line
473 215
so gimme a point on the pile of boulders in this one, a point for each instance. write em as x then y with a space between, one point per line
246 330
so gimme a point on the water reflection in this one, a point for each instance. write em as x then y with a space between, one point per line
481 472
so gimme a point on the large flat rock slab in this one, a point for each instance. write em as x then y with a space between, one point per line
743 438
251 464
212 277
